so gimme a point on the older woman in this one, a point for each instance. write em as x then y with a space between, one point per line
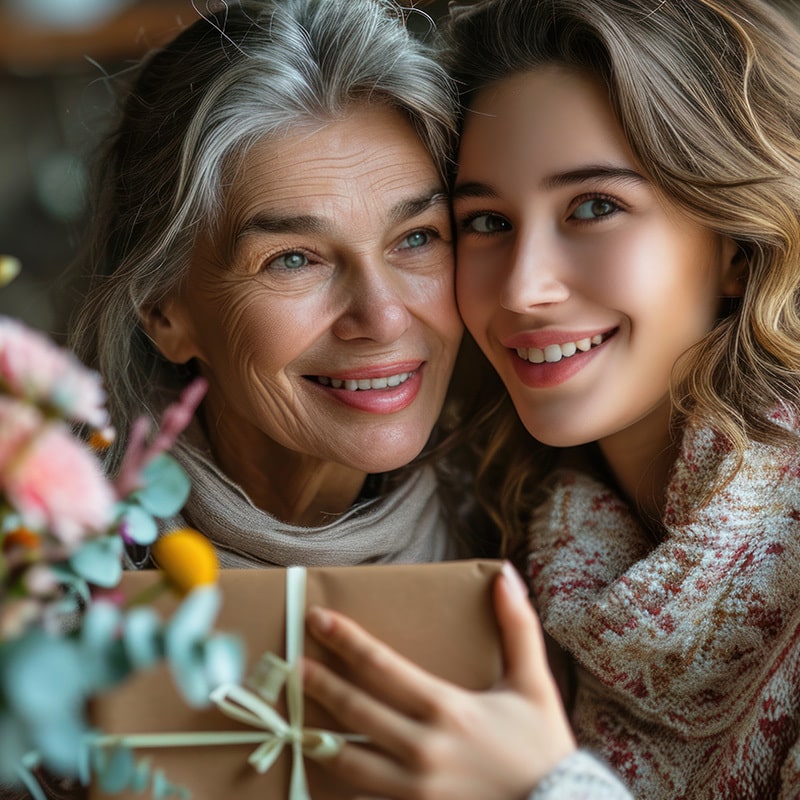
272 216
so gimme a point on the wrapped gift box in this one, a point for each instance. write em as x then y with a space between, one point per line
439 615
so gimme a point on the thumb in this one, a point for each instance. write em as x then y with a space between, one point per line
526 667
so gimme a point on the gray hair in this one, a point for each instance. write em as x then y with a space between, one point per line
246 71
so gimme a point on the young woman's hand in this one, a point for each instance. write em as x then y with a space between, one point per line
430 739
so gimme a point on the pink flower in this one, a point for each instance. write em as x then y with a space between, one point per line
18 423
56 484
35 369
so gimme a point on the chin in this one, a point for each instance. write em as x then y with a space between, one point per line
386 455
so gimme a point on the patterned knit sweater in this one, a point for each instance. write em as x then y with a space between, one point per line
688 651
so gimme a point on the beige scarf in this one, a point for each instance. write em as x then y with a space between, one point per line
406 525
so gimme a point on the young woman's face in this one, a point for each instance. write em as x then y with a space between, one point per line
579 282
330 329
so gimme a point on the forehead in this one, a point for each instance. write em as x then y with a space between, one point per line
367 159
548 119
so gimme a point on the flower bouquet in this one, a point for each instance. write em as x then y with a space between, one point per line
66 634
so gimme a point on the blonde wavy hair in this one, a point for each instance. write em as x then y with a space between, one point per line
708 95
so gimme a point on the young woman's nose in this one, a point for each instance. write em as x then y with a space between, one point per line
536 274
375 303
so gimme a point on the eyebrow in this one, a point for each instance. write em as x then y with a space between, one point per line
592 172
571 177
309 223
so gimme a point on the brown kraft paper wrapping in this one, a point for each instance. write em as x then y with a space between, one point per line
439 615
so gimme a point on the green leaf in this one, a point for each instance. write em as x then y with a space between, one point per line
166 487
139 525
99 561
118 770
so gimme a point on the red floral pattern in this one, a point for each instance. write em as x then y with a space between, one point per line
688 652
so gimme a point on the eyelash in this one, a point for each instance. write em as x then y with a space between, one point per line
465 224
269 261
595 197
432 234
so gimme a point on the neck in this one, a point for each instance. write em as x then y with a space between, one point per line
291 486
641 458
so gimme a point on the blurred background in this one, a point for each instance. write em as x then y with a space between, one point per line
59 61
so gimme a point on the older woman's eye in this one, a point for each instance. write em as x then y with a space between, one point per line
595 208
289 261
415 239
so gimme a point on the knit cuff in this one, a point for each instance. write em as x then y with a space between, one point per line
580 776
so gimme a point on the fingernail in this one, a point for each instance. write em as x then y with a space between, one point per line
514 580
319 620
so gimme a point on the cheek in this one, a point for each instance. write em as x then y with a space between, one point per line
252 331
433 299
468 275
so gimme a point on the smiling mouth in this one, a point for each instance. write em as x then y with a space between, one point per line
364 384
554 353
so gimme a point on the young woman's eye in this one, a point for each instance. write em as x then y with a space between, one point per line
289 262
594 208
486 223
415 239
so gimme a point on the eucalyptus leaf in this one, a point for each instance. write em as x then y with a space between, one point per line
118 770
13 747
142 637
99 561
163 788
139 525
166 487
185 636
224 657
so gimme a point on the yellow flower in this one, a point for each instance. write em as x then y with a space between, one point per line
9 269
187 559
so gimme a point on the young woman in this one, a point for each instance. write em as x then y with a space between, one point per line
628 217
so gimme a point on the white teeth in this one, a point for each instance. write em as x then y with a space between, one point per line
553 353
364 384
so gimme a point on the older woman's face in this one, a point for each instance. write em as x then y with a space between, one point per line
330 328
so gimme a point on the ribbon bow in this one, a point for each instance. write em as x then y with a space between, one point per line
254 707
268 679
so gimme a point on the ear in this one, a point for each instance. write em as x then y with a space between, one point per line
170 330
733 277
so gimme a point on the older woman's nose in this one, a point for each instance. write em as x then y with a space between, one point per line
375 306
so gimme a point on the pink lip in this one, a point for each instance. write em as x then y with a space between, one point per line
378 401
382 371
547 375
544 338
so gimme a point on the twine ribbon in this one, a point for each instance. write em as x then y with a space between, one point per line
253 705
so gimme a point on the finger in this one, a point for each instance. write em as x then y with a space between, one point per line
373 775
358 712
398 681
526 664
